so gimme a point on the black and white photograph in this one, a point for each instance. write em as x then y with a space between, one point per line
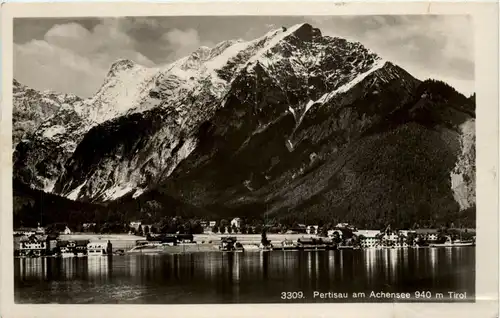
237 159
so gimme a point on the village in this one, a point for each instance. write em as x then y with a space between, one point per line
226 236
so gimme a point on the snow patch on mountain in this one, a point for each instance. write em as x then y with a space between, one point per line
53 131
275 37
359 77
185 150
73 195
117 192
378 64
125 87
48 185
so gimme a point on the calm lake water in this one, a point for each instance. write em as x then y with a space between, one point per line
250 277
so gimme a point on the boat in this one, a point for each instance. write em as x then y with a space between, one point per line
119 252
66 253
317 244
146 248
238 247
265 248
288 245
229 244
251 247
453 243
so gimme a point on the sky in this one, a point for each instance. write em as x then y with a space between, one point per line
74 55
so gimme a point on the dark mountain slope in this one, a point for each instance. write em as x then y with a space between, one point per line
33 206
382 151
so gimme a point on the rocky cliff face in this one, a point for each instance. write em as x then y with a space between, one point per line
293 123
31 108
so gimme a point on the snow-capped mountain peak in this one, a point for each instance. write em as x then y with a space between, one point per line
149 121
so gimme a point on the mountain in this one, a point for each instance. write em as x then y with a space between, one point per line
294 124
31 108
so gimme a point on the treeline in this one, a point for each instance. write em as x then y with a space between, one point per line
33 206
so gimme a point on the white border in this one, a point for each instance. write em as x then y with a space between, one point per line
485 16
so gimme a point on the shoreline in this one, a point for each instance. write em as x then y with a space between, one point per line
211 248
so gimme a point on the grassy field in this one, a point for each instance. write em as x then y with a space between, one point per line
126 242
119 241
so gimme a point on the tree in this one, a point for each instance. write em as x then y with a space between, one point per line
312 230
323 231
139 231
215 229
224 223
235 229
258 228
244 229
264 239
150 210
336 237
229 229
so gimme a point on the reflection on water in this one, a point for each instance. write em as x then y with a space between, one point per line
242 277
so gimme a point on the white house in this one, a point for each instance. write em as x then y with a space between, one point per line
428 234
312 229
146 228
135 225
370 238
212 223
40 230
99 248
34 244
432 237
67 231
236 222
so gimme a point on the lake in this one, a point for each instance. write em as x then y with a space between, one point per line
251 277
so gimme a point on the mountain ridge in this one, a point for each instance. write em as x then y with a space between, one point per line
301 100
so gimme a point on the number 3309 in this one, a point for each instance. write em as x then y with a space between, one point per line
292 295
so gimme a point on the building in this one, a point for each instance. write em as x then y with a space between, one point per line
212 223
406 232
345 226
27 231
81 246
35 245
67 231
370 238
312 229
87 226
135 225
99 248
146 228
51 244
40 230
236 222
429 235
